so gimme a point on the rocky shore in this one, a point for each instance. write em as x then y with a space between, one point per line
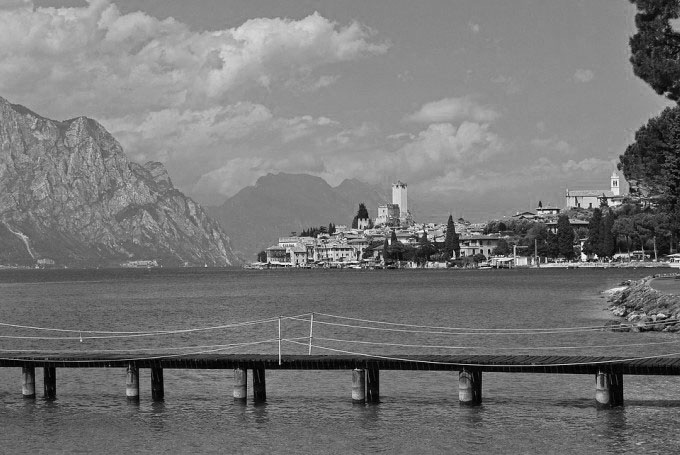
643 307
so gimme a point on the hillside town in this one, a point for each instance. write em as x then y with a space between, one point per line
381 241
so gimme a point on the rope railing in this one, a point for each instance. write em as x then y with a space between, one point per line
495 348
434 362
340 334
148 332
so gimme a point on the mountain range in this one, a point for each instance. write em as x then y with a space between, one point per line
279 204
69 196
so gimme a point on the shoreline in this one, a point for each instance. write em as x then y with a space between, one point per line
641 308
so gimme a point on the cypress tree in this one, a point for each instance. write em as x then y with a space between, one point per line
449 244
565 237
593 244
607 238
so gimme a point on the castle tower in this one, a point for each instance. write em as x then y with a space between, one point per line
616 190
399 197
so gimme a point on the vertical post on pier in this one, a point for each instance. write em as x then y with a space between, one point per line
470 387
132 382
358 386
157 390
372 384
609 389
279 340
311 331
240 384
259 385
50 382
28 381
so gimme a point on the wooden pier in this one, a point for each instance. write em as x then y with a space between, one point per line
608 372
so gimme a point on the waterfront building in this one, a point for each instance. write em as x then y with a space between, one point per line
335 251
277 255
589 199
478 244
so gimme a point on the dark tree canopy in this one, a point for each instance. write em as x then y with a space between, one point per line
656 46
652 163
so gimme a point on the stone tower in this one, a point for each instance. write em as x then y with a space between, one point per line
399 197
615 182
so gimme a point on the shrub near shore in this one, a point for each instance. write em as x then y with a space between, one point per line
643 307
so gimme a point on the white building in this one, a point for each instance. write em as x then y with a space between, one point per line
590 199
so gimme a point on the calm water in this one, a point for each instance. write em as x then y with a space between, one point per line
311 412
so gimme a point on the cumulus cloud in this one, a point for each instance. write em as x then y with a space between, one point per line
99 60
181 96
474 27
453 109
583 75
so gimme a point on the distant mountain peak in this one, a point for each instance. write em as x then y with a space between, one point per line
279 204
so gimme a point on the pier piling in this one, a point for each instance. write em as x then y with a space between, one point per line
132 382
240 384
157 390
470 387
259 385
372 385
50 382
28 381
358 386
609 389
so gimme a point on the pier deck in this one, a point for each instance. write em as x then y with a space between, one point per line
482 363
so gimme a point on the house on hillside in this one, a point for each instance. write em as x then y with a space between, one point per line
547 211
552 225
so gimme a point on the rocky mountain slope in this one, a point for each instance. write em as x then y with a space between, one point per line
69 195
279 204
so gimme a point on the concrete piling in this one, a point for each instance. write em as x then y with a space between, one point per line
358 386
241 384
470 387
608 389
132 382
28 381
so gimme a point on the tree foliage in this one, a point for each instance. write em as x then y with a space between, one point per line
652 163
655 47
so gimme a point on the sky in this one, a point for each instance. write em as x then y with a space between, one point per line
483 107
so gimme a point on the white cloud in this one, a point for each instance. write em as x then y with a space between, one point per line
99 61
475 28
453 109
584 75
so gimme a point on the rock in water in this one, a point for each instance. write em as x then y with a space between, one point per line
69 196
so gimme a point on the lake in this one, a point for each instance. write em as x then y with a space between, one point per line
495 311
